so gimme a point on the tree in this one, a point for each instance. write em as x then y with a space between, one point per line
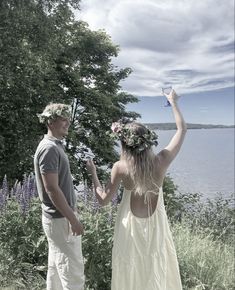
48 56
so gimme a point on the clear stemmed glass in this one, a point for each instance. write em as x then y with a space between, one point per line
167 91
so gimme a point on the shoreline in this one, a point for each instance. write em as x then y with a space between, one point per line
190 126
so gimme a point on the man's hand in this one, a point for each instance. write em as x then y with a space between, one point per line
77 228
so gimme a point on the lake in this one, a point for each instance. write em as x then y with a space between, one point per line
205 163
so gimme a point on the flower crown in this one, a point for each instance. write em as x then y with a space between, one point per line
128 135
53 112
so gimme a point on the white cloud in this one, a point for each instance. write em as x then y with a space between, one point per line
204 110
185 43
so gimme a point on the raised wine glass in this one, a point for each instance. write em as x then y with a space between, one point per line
167 91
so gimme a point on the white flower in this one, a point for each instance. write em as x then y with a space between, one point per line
46 114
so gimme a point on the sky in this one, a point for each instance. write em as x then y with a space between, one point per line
186 44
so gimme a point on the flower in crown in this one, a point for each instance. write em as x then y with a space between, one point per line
53 111
116 127
124 131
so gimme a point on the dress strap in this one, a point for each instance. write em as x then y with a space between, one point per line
157 185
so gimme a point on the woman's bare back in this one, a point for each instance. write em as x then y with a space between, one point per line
143 206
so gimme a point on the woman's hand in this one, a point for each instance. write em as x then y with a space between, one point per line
90 166
172 97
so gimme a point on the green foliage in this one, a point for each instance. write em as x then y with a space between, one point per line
177 204
204 263
23 245
48 56
97 247
206 259
215 217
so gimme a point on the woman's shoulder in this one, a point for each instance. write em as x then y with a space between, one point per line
120 167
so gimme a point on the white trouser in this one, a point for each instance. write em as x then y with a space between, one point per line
65 260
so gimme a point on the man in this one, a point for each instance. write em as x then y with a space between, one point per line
59 218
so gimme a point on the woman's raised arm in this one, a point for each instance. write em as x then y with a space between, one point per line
167 155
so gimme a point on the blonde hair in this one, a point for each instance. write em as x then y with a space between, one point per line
140 164
53 111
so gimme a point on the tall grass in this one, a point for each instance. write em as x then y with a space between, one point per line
205 263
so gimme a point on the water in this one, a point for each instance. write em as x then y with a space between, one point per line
205 163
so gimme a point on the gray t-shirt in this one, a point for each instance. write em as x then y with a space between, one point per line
51 158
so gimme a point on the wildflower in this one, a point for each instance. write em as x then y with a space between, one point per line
31 186
4 194
25 192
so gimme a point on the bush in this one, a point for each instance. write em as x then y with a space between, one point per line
177 204
97 240
204 263
213 217
199 232
97 249
23 245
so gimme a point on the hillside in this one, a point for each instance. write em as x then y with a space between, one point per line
172 126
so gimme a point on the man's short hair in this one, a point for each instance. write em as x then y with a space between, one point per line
53 111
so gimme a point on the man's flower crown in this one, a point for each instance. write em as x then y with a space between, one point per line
53 111
126 132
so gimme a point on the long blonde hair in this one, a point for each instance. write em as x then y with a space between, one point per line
140 164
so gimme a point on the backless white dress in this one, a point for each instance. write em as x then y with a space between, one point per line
143 256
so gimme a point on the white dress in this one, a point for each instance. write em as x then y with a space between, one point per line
144 256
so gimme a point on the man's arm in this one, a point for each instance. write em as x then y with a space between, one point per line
50 181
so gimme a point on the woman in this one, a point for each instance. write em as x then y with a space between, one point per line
144 256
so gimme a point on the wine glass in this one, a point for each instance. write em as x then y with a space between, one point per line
167 91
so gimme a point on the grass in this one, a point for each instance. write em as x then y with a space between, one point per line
204 263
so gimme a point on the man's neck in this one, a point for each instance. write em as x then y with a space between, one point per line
54 135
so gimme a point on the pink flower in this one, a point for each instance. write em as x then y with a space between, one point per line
116 127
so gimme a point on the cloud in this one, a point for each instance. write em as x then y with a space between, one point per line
204 110
186 43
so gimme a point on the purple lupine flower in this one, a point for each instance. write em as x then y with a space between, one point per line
17 191
22 195
5 186
31 186
21 198
110 217
4 191
26 193
34 186
95 203
81 193
96 207
14 190
86 192
114 204
114 201
2 201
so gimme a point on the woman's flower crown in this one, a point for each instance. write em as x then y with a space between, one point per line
128 135
53 111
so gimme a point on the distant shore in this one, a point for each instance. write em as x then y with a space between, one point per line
172 126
